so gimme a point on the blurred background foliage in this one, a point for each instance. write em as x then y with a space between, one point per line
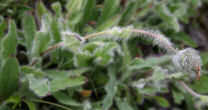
106 75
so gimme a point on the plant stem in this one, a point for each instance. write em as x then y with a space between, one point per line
34 62
190 90
46 51
95 35
52 48
154 36
51 103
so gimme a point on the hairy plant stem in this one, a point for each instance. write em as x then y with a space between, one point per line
51 103
172 49
154 36
190 90
52 48
95 35
46 51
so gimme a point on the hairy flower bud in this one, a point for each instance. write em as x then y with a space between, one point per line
187 60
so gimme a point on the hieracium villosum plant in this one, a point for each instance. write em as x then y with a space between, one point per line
55 56
186 60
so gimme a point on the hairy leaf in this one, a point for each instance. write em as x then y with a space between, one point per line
29 29
60 84
88 9
82 59
40 86
104 54
57 8
55 31
128 12
57 74
41 10
109 9
111 89
123 104
9 42
41 43
167 16
9 77
31 70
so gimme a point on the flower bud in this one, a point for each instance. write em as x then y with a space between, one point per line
187 60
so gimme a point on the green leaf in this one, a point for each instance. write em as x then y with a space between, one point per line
15 99
58 74
9 77
139 63
65 99
41 9
109 23
111 89
45 23
26 70
128 12
109 9
40 86
29 29
91 46
75 13
88 9
183 37
126 59
3 27
41 43
167 16
158 74
178 97
162 101
104 54
201 86
195 3
204 58
55 31
74 6
31 105
9 42
60 84
72 43
57 8
66 59
75 19
123 104
189 102
82 59
178 9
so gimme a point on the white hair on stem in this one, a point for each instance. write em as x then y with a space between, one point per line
118 33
